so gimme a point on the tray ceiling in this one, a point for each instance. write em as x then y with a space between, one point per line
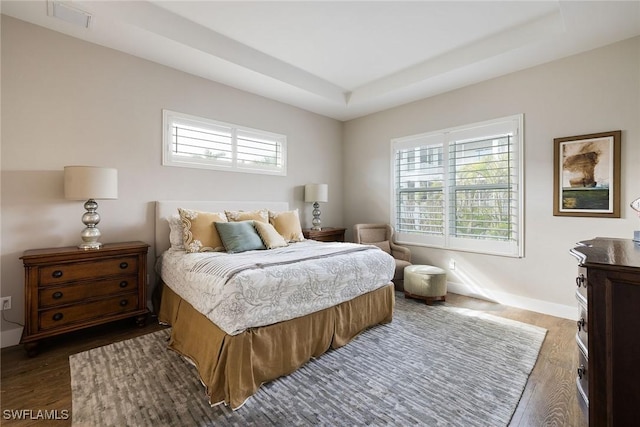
343 59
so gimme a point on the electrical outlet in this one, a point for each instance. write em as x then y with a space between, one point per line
452 264
5 303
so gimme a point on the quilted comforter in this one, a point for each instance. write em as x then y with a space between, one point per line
262 287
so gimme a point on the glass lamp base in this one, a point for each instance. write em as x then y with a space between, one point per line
316 217
90 234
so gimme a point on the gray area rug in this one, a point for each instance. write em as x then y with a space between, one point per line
432 366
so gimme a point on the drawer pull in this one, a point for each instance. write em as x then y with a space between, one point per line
57 274
124 284
580 281
123 303
57 295
582 371
124 265
57 316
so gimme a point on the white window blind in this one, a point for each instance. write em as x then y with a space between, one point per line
461 188
198 142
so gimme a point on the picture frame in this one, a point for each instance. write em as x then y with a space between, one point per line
586 180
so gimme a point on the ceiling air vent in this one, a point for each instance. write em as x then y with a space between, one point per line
68 13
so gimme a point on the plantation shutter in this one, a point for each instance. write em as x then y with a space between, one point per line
420 190
191 141
210 144
259 149
481 188
461 188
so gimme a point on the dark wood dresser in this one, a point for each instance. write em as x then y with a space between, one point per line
608 334
67 289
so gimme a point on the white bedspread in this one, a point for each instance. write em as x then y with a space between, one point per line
263 287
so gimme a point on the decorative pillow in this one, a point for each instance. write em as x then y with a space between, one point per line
269 235
176 233
287 223
385 246
199 234
239 236
261 215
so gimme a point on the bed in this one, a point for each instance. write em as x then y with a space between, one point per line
247 318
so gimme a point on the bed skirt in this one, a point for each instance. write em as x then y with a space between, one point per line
232 367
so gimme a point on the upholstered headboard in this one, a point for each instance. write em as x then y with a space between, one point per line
166 208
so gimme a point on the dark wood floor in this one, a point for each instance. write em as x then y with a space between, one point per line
43 382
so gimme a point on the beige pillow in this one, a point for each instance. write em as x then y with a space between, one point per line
261 215
269 235
200 234
287 223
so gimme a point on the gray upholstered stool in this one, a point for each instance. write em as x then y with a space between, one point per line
425 282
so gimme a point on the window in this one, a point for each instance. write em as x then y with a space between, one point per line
197 142
461 188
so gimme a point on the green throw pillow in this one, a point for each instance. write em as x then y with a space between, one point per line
239 236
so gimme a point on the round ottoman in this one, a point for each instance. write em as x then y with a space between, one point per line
425 282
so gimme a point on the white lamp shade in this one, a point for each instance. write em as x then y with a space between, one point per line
90 182
316 193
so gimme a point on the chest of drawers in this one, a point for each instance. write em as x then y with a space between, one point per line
67 289
608 330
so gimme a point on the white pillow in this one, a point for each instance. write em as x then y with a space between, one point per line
176 233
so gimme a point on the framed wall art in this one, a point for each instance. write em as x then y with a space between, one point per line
586 179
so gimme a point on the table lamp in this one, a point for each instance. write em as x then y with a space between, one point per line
90 183
315 193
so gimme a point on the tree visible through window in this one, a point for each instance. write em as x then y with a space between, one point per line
461 188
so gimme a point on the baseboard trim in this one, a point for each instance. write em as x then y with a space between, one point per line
531 304
10 337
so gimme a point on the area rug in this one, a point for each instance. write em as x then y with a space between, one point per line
433 366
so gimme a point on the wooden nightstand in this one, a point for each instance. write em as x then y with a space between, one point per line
67 289
327 234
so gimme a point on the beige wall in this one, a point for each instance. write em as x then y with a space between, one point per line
68 102
592 92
